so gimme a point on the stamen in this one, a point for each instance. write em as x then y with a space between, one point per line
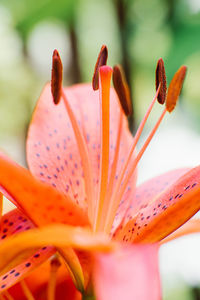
136 161
114 201
8 295
83 151
56 77
74 267
105 73
175 88
161 80
55 264
101 61
57 92
26 290
122 89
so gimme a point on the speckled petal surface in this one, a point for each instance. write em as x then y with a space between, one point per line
166 212
52 152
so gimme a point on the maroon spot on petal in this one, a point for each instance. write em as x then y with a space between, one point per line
27 264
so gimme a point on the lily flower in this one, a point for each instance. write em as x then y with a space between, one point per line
79 201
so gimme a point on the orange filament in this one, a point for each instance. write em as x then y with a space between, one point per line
122 90
175 88
105 74
83 151
56 77
161 80
55 264
101 61
8 295
114 201
74 267
26 290
134 165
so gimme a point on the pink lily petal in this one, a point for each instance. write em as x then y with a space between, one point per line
52 152
12 223
166 212
130 273
18 272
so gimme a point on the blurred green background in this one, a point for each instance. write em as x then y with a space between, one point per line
137 33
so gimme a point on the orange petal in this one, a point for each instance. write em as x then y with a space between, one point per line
167 212
52 148
130 273
13 223
192 226
30 195
146 192
1 204
61 236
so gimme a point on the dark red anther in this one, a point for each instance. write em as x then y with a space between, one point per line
56 77
175 88
101 61
122 89
161 80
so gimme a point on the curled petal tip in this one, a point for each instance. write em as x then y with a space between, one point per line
56 77
101 61
122 89
161 80
175 88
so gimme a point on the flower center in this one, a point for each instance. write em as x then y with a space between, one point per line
102 210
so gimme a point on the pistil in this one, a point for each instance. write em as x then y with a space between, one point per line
105 74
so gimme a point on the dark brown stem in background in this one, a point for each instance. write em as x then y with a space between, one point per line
196 293
121 11
74 69
171 13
